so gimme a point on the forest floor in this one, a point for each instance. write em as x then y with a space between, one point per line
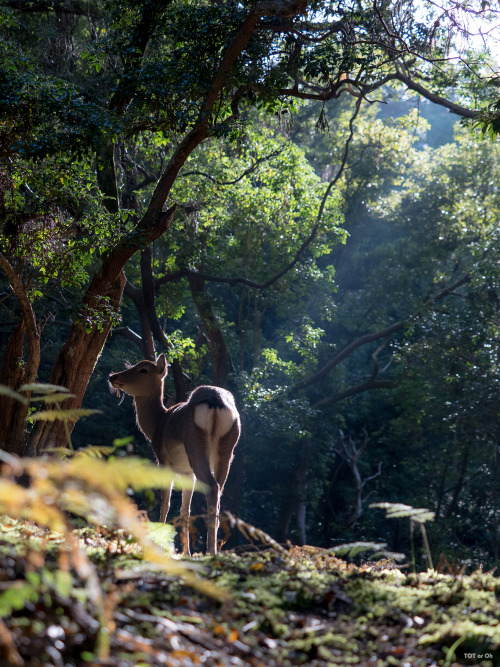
301 606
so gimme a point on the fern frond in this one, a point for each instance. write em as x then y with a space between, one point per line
121 474
121 442
7 391
53 398
40 388
353 549
94 452
95 489
161 534
63 415
401 511
19 502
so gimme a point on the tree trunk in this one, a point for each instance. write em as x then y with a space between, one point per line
221 362
14 370
452 507
147 342
78 357
301 473
295 501
14 413
81 350
79 354
148 300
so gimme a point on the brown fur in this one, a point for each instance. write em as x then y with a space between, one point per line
194 438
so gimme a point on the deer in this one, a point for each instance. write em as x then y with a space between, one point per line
195 438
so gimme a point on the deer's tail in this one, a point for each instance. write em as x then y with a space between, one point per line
215 411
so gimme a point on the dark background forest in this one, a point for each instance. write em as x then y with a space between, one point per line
311 222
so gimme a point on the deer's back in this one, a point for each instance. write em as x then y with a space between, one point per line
209 413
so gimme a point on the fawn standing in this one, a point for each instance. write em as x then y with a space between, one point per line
195 438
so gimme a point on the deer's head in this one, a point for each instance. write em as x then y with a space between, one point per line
143 379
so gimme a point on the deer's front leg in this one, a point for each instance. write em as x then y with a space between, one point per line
165 503
187 494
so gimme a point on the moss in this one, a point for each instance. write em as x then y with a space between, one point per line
305 608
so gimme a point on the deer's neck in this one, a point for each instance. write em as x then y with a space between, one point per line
149 412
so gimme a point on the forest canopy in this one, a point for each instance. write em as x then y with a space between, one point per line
297 200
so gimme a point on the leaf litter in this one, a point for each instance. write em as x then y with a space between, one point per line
300 606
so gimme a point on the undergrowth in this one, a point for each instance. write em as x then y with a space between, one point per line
85 579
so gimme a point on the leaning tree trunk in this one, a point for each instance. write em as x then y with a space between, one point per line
79 354
13 413
15 371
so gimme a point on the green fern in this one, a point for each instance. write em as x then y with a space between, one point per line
400 511
56 397
95 451
353 549
162 534
417 515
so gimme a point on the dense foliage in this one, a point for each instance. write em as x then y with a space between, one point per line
274 188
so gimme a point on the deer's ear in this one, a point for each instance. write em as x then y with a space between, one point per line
161 365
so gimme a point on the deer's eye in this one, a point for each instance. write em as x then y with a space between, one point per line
143 370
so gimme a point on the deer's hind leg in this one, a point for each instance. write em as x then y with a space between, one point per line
225 450
197 452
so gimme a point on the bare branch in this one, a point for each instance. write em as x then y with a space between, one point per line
353 391
433 97
129 334
339 26
247 172
376 335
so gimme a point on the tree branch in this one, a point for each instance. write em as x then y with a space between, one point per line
352 391
376 335
333 91
127 333
186 273
371 383
457 109
248 171
75 8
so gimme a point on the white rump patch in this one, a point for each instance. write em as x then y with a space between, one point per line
216 422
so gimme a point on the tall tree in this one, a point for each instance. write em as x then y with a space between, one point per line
83 81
